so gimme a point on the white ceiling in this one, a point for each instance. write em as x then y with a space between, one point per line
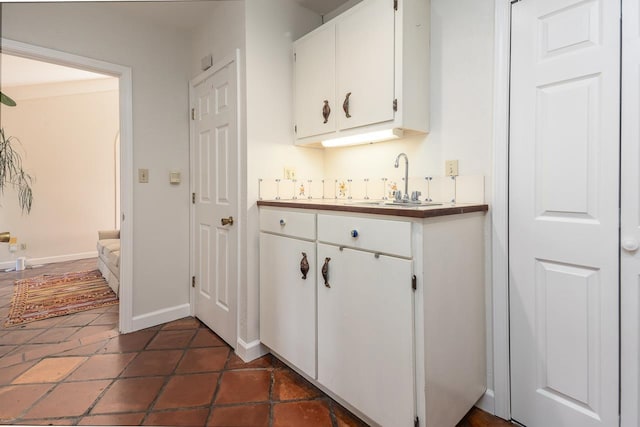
18 71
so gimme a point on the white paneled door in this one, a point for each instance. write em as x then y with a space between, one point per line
214 145
630 216
563 212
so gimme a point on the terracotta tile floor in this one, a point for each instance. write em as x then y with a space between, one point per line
77 370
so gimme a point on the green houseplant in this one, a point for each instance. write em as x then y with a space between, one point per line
11 170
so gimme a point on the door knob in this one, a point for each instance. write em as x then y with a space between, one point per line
630 244
227 221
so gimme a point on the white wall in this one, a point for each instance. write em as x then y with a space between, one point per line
461 87
67 143
160 62
461 102
220 36
271 28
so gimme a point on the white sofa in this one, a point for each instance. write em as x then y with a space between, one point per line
109 257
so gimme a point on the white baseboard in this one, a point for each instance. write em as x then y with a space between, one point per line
160 316
250 351
51 259
487 402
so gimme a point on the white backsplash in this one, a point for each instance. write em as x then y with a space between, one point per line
460 189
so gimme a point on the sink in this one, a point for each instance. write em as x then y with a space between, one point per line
385 203
412 205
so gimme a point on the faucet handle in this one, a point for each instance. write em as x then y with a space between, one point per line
397 195
415 196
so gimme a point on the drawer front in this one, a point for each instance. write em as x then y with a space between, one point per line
377 235
288 223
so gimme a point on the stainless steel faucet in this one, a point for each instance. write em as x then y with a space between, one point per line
405 197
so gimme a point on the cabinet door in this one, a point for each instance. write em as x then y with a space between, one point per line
365 333
365 64
288 302
315 82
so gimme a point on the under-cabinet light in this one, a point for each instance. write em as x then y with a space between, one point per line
364 138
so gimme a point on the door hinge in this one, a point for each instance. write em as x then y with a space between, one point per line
193 281
123 216
395 104
295 57
193 198
193 114
414 282
416 422
295 129
395 4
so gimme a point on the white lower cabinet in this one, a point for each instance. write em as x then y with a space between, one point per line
393 349
365 332
287 301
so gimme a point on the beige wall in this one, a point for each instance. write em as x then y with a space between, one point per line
67 143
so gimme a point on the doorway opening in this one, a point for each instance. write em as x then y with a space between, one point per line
119 177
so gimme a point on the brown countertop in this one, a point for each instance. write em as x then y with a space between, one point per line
378 208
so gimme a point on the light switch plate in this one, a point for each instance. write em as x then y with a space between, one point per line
143 176
174 177
451 167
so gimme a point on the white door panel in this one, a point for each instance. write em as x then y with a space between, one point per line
563 209
366 298
315 82
288 301
216 187
361 48
630 215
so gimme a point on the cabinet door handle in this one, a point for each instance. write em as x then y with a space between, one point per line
326 111
345 105
304 266
325 272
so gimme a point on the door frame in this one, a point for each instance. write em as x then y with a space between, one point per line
500 211
125 91
234 57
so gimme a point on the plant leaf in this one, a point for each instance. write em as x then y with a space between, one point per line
4 99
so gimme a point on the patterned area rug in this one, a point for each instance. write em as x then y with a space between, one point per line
54 295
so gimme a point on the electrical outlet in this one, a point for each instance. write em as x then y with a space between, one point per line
289 172
143 176
451 167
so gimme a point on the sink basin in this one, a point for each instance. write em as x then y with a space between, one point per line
385 203
412 205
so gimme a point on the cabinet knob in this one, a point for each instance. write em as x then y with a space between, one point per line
630 244
345 105
326 111
283 222
354 233
325 272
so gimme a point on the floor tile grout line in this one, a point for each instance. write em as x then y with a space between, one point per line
271 404
216 391
164 385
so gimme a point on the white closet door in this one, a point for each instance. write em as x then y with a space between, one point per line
563 212
630 215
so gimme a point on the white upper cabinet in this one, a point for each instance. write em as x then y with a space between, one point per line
364 64
315 83
364 71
